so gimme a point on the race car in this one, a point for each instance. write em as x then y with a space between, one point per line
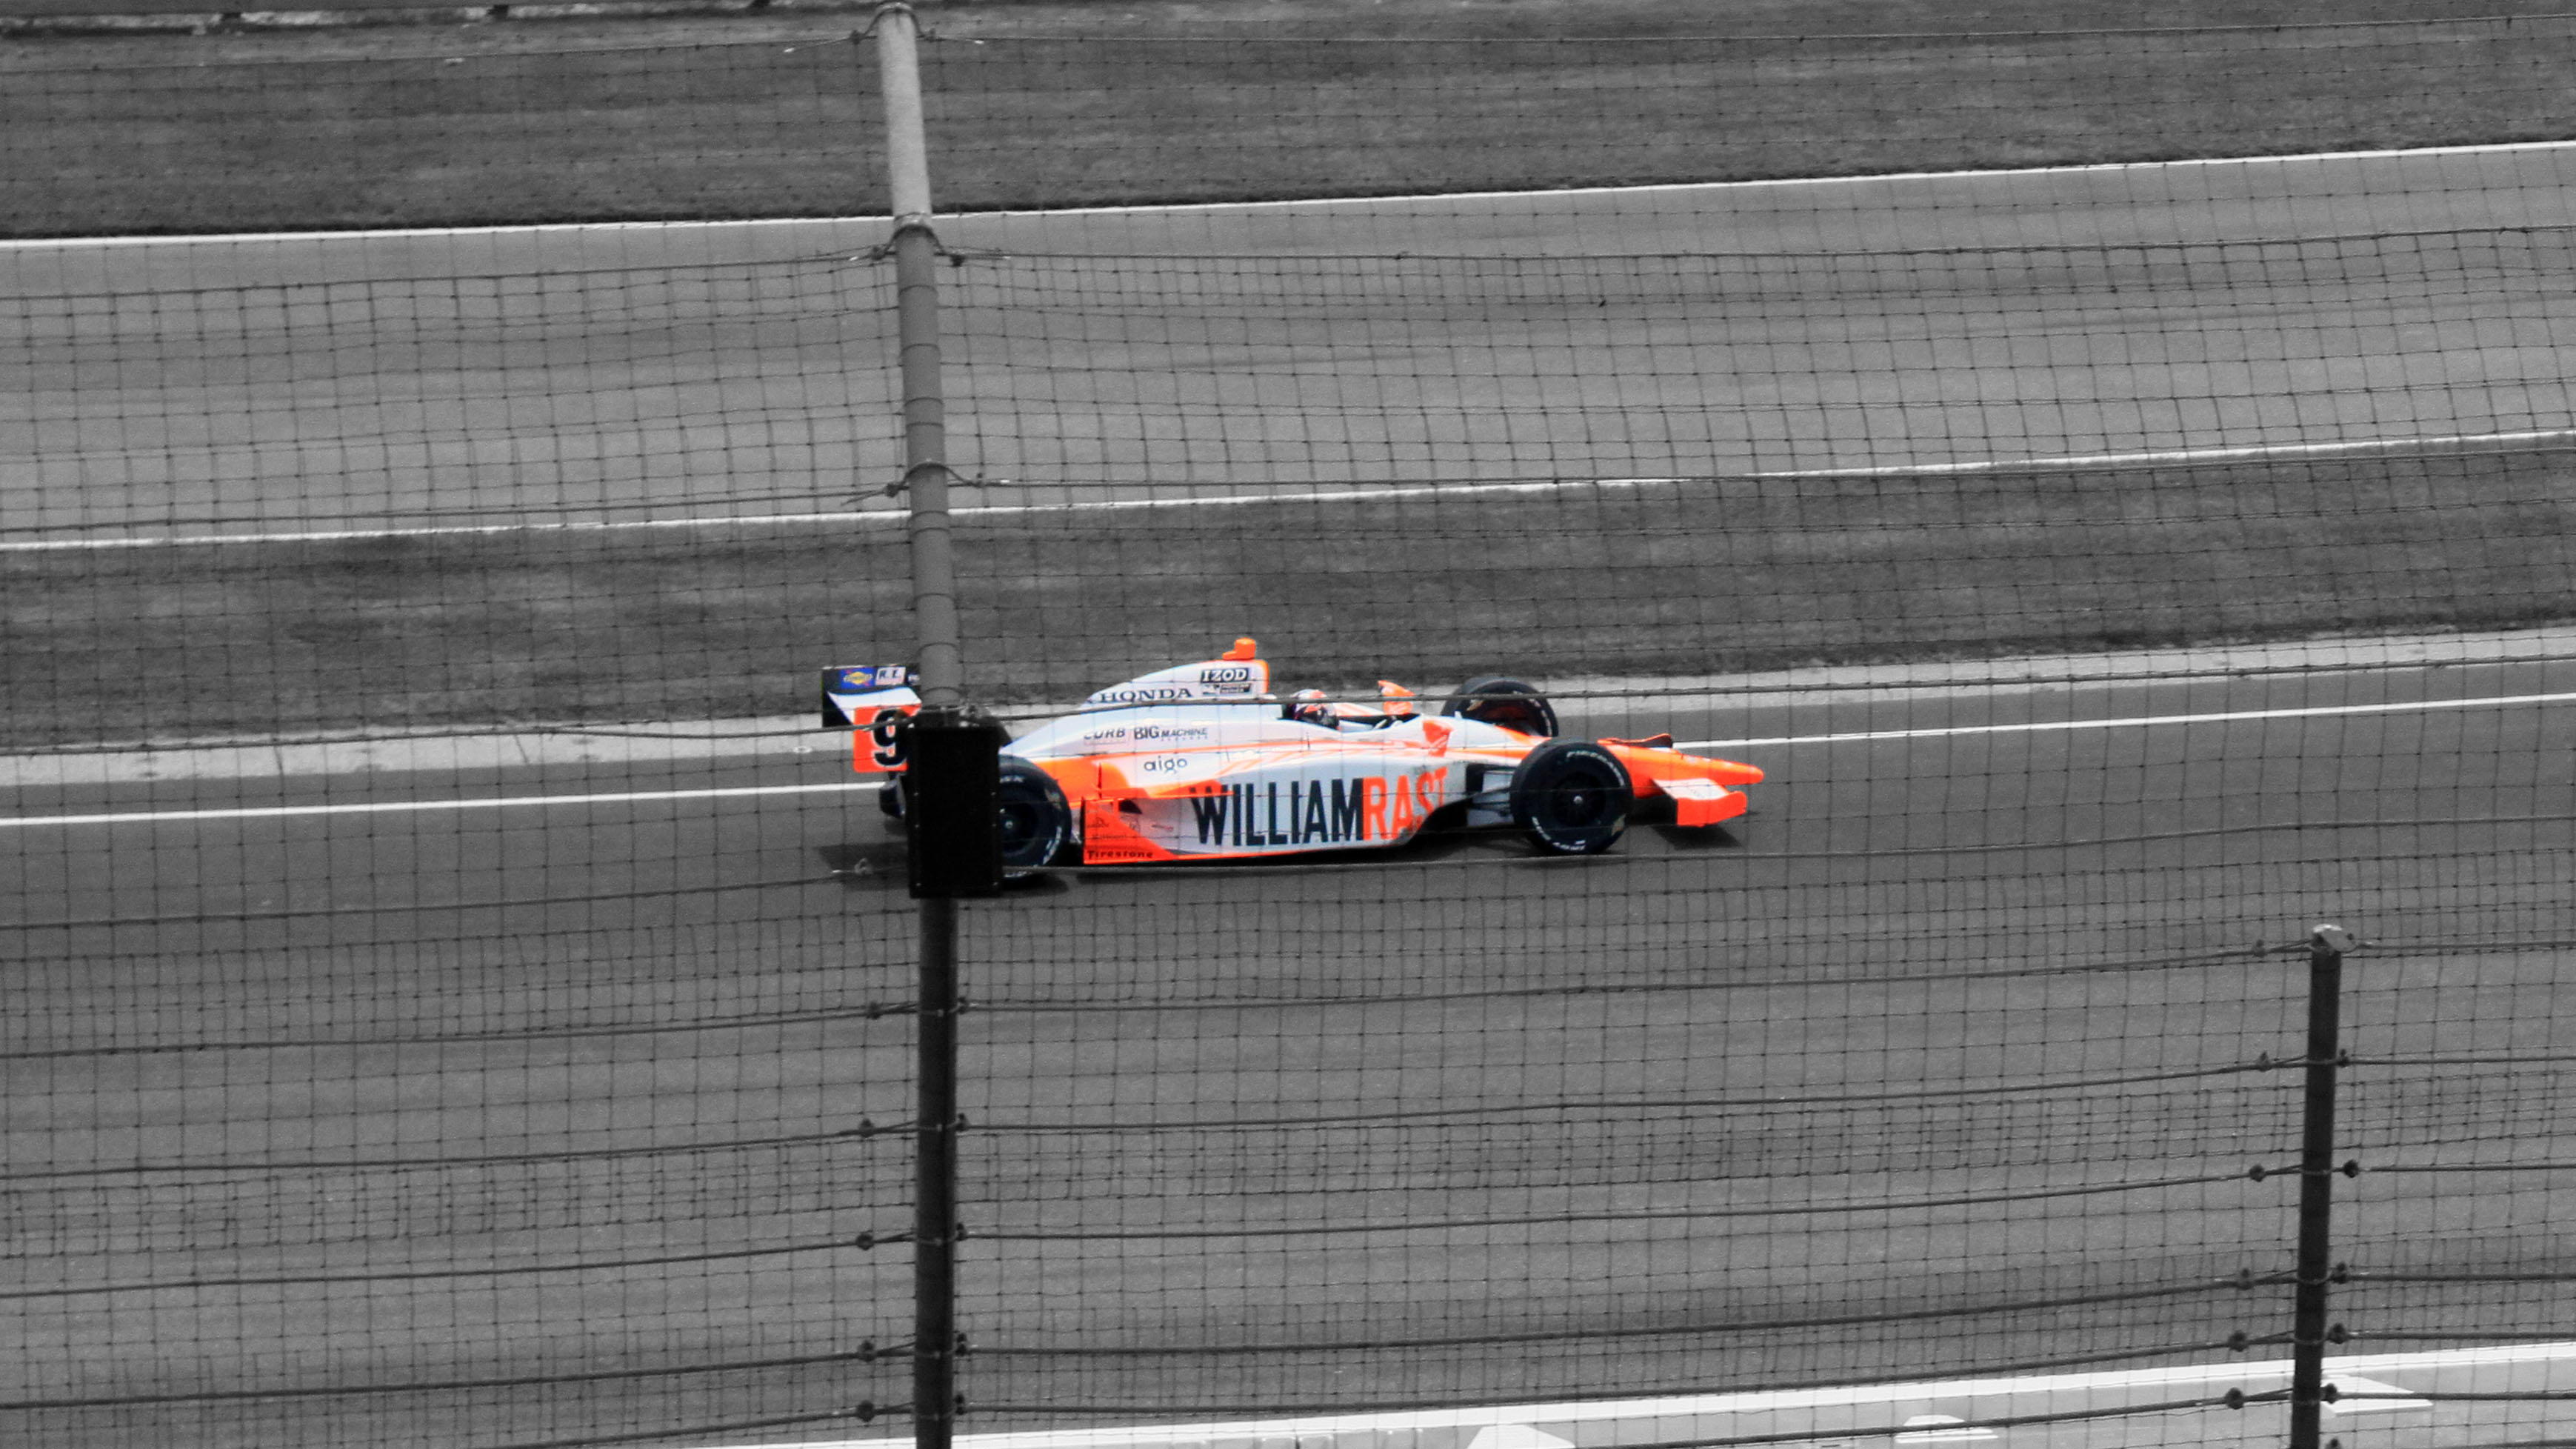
1202 762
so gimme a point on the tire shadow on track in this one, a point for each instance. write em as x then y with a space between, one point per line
882 865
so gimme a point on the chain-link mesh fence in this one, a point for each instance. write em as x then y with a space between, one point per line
455 995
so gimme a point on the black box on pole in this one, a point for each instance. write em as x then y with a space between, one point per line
953 800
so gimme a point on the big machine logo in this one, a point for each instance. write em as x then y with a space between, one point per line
1311 813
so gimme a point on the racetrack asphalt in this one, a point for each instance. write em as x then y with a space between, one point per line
364 380
1225 1105
1449 1125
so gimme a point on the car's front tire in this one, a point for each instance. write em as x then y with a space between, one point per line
1571 797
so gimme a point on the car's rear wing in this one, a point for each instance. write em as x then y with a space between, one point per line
1239 674
871 699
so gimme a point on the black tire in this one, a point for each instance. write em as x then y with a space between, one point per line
1036 823
1497 700
890 797
1571 797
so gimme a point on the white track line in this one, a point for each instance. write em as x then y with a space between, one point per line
2039 727
891 518
887 517
1608 1418
2091 168
631 797
450 530
2499 148
397 807
2245 452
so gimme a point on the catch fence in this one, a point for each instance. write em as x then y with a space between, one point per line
456 996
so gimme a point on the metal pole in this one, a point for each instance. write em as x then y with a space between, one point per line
925 426
934 604
2316 1186
934 1207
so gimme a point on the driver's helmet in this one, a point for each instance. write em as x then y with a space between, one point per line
1309 706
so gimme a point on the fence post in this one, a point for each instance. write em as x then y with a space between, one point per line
2308 1330
925 429
942 686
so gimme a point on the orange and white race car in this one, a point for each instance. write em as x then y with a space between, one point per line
1202 762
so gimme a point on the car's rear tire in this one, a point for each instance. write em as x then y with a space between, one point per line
1495 699
1571 797
1036 824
